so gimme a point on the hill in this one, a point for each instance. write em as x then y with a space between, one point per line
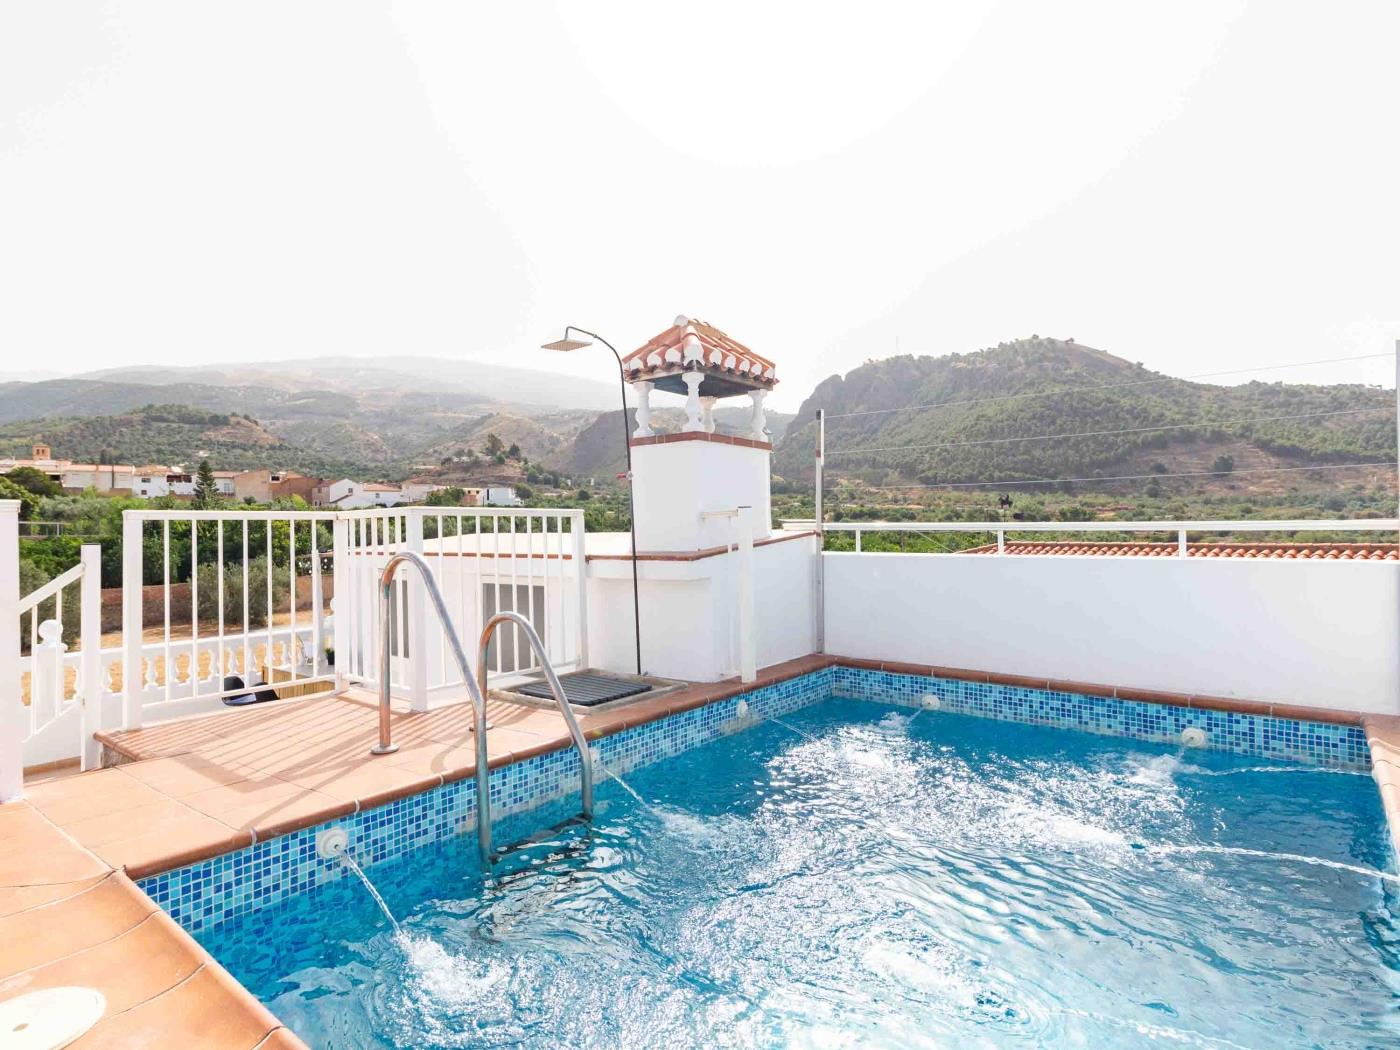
165 434
987 414
530 389
333 414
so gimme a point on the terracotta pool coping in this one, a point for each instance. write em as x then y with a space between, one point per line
67 918
1383 736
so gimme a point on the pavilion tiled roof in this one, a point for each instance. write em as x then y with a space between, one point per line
688 341
1117 549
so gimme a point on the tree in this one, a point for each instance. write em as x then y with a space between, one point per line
513 452
28 502
451 496
494 445
206 489
36 481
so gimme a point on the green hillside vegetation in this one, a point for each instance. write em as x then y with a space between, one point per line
169 434
978 406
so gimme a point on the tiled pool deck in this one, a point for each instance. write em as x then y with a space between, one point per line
198 789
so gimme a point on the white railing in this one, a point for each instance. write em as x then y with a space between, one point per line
1180 529
249 564
14 720
65 692
485 561
212 595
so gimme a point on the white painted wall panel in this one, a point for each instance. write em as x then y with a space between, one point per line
1320 633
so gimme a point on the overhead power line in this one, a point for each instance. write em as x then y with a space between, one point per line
1108 433
1009 482
1105 386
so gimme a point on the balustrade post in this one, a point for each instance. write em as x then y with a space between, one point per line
414 643
341 602
46 673
14 719
693 423
580 560
91 685
133 676
643 410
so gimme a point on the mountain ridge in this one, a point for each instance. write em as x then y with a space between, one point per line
1040 408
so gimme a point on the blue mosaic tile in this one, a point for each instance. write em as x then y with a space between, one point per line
210 892
1289 739
213 891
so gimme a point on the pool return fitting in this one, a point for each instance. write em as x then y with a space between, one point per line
476 690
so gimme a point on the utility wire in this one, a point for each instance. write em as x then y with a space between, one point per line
1106 386
1007 482
1107 433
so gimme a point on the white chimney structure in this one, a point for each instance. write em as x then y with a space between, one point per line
721 593
684 483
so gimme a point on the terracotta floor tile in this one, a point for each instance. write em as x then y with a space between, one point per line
166 837
34 852
269 818
185 774
53 931
502 742
430 756
21 898
207 1010
231 803
139 820
97 794
129 969
367 781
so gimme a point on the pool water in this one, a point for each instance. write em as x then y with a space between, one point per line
872 877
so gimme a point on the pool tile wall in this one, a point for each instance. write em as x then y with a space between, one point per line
210 892
1289 739
207 893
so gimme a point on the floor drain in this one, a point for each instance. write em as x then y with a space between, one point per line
50 1018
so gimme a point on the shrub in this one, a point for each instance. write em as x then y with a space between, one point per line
233 592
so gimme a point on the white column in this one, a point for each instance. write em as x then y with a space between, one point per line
643 410
693 422
133 675
759 423
341 602
415 638
707 414
748 644
14 718
93 684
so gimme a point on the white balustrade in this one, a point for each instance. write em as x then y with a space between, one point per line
228 595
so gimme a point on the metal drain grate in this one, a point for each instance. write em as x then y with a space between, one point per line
585 689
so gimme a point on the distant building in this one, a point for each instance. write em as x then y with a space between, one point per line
264 486
347 494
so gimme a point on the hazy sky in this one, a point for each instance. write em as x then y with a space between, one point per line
1191 185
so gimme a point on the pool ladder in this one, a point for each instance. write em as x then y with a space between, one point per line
476 689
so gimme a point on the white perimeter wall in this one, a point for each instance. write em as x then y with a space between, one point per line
690 612
1325 634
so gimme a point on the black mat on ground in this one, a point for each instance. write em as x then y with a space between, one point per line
585 689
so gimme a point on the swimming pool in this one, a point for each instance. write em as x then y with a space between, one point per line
869 876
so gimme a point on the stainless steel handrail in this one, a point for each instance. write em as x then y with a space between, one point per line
386 746
585 756
476 689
